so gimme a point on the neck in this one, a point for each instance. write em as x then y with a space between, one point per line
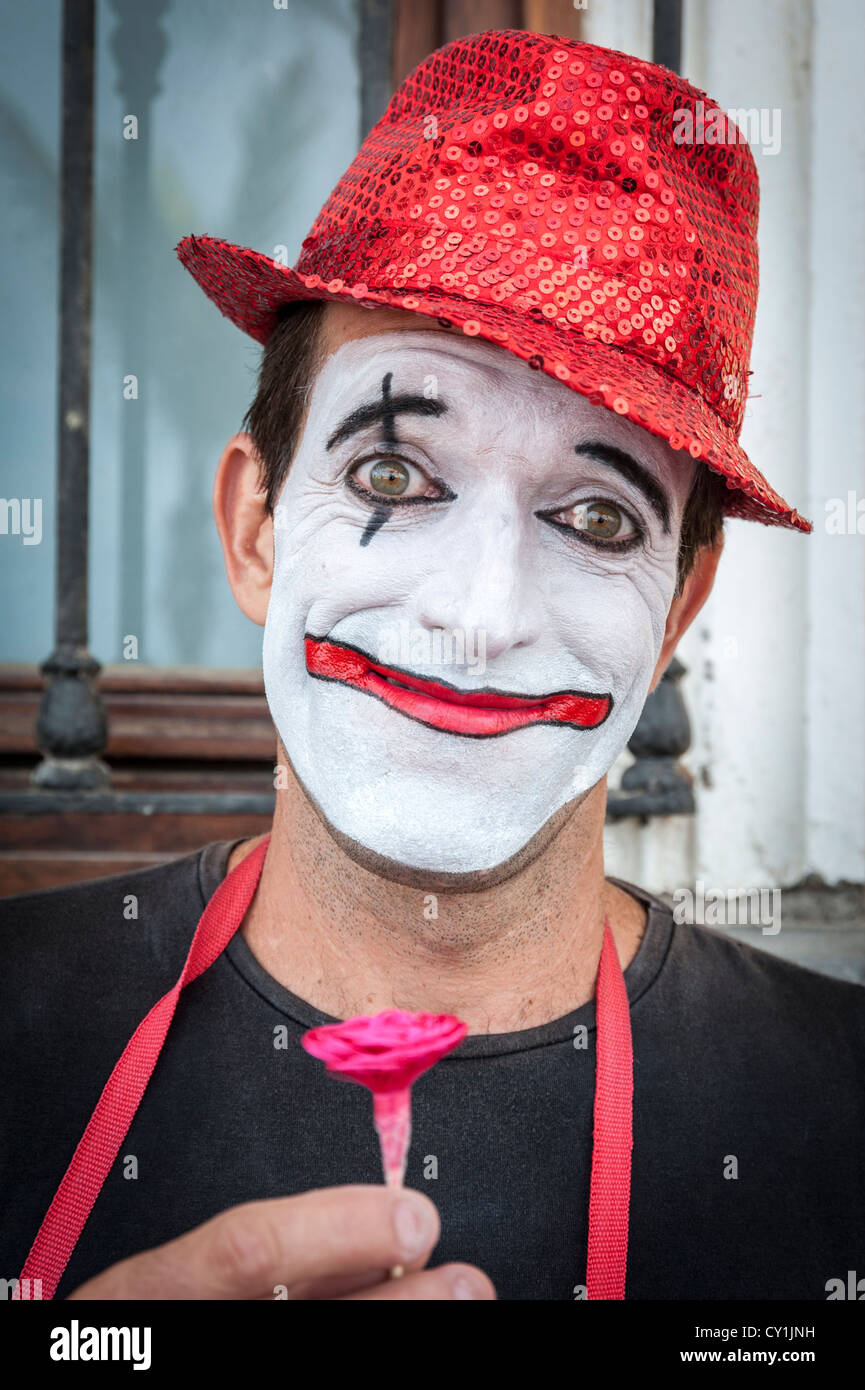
507 957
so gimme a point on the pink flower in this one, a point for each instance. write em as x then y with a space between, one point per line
386 1052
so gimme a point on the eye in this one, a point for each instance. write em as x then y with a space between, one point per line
387 478
599 521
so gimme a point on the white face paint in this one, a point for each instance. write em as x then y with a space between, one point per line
492 542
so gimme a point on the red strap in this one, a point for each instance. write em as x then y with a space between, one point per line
115 1110
610 1190
99 1144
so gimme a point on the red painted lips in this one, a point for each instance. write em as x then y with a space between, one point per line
474 714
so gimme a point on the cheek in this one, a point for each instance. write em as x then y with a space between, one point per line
322 573
614 623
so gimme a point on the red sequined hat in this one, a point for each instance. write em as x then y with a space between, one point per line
545 195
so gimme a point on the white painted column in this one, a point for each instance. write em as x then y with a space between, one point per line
622 24
835 642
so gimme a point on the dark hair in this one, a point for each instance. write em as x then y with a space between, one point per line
289 364
275 421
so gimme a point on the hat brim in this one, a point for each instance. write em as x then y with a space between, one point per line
251 290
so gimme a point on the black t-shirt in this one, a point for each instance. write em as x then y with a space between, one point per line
748 1109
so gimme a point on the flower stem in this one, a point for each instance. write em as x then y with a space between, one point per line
392 1116
391 1111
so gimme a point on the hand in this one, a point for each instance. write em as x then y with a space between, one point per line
335 1242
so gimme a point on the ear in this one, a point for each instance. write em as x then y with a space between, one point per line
245 526
687 604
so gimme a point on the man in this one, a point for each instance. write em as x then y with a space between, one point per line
477 504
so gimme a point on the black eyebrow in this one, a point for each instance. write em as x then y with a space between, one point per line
635 473
368 414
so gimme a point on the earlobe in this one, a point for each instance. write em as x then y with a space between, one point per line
245 526
687 604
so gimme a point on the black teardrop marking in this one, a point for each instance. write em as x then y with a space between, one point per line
378 518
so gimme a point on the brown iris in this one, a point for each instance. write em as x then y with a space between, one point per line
390 477
601 519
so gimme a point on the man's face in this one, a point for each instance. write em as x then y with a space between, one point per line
473 569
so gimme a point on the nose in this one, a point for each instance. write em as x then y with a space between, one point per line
485 584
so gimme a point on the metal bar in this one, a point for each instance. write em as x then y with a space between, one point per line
72 728
375 57
668 801
667 34
656 784
107 802
76 217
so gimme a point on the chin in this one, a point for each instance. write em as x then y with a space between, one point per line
452 866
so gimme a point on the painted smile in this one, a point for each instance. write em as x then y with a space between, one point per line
482 713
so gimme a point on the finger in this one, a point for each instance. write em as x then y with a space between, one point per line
316 1289
251 1250
336 1285
444 1283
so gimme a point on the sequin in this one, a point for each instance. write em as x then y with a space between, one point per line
547 209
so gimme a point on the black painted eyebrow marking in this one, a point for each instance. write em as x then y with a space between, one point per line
385 409
635 473
388 414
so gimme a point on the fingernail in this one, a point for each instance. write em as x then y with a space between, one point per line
464 1287
415 1227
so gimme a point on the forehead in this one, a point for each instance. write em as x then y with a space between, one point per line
484 387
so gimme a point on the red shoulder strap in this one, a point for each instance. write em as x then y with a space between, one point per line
610 1190
99 1144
